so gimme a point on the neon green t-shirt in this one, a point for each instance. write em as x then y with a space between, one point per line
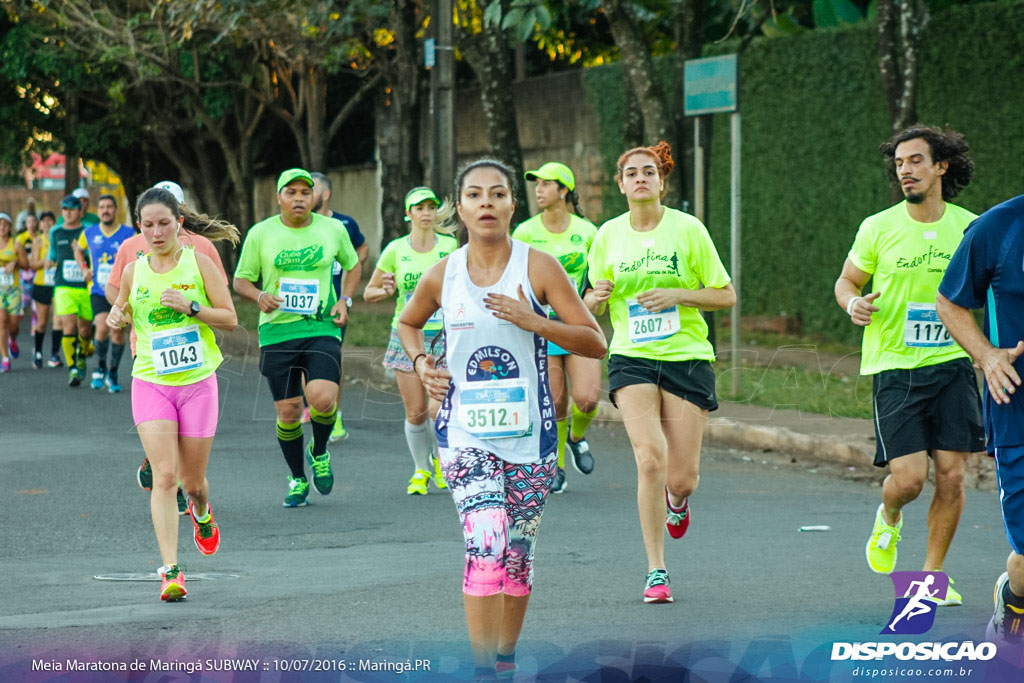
679 254
172 348
296 264
570 247
906 260
408 266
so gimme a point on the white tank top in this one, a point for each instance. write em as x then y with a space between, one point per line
499 399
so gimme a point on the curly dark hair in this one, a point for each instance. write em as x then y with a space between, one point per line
945 145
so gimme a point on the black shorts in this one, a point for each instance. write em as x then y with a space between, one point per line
42 294
937 407
690 380
100 305
285 364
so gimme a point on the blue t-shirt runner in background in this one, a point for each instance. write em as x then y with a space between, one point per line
988 270
357 238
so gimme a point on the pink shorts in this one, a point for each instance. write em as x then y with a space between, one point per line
194 406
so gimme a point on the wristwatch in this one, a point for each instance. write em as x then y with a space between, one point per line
193 310
347 300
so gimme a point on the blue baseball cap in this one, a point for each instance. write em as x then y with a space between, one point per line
71 202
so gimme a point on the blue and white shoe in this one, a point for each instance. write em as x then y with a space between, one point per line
98 378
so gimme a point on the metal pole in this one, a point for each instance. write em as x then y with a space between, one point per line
698 172
734 233
445 129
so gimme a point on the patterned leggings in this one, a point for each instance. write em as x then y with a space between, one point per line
500 505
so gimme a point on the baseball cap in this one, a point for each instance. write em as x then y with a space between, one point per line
81 193
172 187
420 194
553 171
71 202
5 217
293 174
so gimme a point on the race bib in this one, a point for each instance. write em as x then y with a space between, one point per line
495 409
103 273
435 321
923 328
645 326
177 350
6 279
50 277
300 296
72 271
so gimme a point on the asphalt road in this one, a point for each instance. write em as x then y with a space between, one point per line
370 577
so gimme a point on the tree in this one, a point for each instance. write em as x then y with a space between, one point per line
900 25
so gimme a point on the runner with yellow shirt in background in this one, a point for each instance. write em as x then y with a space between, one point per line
926 399
567 237
399 268
292 254
656 269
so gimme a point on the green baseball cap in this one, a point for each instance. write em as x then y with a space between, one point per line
293 174
553 171
420 194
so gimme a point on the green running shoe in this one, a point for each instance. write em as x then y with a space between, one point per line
881 547
339 432
418 483
323 478
439 481
298 493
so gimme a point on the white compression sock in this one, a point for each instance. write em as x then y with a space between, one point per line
420 444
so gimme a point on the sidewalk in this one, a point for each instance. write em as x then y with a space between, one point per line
820 438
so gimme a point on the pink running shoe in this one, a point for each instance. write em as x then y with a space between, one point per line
677 520
657 589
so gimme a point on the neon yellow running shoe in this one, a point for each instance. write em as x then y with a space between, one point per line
953 597
881 547
439 481
339 432
418 483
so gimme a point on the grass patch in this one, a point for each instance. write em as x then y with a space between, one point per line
793 388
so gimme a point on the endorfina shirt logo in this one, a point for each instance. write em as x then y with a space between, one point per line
654 263
914 611
299 259
491 362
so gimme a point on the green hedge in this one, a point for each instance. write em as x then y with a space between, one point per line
813 117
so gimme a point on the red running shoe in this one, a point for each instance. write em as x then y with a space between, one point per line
207 534
656 589
677 521
172 587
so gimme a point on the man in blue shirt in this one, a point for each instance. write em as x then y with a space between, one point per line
322 189
988 270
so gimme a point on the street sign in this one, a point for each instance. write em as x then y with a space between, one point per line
429 53
711 85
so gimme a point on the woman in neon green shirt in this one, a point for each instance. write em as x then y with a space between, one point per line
174 296
398 270
567 237
655 268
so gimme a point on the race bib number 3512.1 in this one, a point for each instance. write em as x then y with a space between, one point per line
495 409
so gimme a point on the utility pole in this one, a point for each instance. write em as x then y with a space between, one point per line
442 90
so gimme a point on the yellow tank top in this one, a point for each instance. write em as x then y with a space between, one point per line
172 348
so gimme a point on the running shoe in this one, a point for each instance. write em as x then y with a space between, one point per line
13 346
952 599
558 481
5 365
144 475
582 460
506 666
54 362
881 547
1007 622
339 432
37 360
418 483
298 493
657 589
677 520
182 502
74 377
172 586
98 378
305 416
323 478
439 481
113 386
206 534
